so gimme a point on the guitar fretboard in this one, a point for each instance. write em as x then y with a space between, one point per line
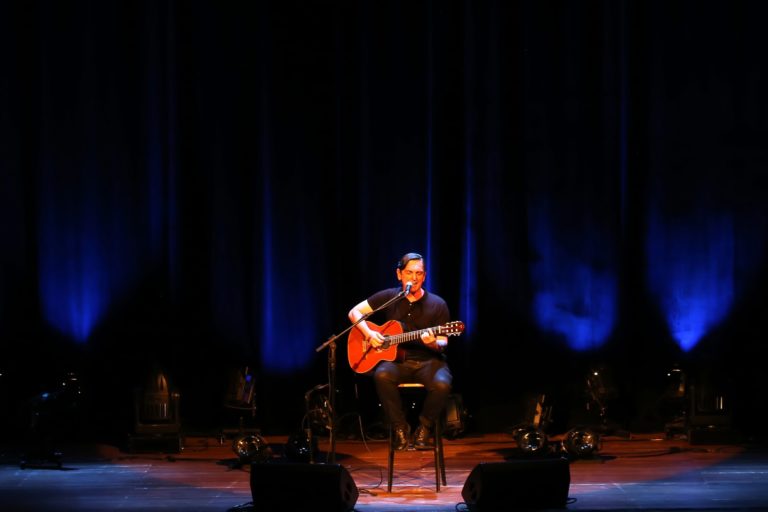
396 339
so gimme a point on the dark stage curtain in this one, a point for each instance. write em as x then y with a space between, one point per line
214 184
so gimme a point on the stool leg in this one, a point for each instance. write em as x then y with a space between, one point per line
390 458
437 468
439 442
439 460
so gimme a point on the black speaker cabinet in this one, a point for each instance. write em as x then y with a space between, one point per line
299 486
522 484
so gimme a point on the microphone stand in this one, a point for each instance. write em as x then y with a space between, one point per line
331 344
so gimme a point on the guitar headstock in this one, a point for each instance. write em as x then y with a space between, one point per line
451 328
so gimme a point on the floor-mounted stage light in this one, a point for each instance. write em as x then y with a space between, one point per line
531 440
251 448
301 447
581 442
318 410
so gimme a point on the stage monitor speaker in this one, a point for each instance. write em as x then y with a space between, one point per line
302 486
522 484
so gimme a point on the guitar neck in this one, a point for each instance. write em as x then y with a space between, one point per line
396 339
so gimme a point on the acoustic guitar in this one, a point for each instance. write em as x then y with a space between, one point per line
363 356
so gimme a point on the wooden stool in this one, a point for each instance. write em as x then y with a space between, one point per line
437 450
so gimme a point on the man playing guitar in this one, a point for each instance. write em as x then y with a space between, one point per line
420 360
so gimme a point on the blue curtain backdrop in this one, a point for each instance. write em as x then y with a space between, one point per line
214 184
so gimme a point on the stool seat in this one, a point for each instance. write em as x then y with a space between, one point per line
437 450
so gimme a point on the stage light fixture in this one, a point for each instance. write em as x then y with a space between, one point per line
300 447
581 442
318 410
531 440
251 448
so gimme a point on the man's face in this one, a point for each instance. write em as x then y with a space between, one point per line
413 272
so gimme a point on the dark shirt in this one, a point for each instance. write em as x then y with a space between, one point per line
429 311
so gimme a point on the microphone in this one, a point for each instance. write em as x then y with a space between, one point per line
408 287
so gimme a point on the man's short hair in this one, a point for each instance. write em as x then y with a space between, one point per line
408 257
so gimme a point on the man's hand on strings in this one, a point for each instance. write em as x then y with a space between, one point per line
434 342
376 339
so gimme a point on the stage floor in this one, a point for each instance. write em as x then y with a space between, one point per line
640 473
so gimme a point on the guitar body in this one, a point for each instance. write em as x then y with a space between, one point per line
362 356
